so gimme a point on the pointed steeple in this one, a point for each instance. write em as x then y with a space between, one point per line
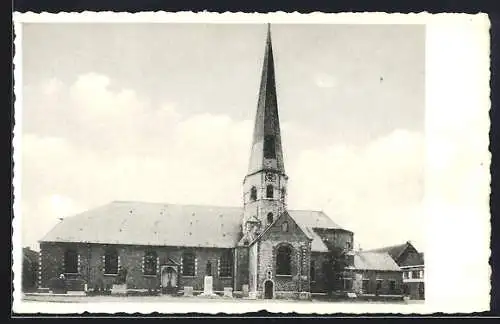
266 151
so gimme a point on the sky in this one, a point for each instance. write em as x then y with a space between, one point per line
164 113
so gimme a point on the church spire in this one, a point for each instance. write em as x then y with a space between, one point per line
266 151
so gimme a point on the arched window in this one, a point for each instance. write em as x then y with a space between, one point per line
70 261
208 269
150 263
270 218
226 263
269 191
284 260
253 194
111 261
284 227
188 263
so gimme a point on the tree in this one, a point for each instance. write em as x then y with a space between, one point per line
335 264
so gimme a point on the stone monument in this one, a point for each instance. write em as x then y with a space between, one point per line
228 292
245 290
208 287
188 291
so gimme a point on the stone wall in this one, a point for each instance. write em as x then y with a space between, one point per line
285 286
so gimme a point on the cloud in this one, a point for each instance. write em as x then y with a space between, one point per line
111 144
375 189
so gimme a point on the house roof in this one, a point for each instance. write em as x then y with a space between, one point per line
394 251
380 261
417 260
141 223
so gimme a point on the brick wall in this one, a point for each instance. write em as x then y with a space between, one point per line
130 257
384 277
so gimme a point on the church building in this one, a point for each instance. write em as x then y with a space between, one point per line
261 249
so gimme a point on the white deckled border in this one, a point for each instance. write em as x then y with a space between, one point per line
457 125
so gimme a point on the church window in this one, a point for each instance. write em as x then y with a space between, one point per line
188 263
269 147
392 285
284 227
313 270
253 194
269 191
150 263
379 285
284 260
111 261
70 261
269 218
226 263
208 270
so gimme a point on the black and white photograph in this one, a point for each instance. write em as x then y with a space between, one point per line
253 164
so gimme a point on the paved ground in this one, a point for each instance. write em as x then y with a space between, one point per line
170 299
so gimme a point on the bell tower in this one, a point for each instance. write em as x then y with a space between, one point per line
264 186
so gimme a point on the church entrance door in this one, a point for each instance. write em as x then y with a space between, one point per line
268 289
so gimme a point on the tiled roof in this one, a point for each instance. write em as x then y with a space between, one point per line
140 223
314 219
394 250
414 260
380 261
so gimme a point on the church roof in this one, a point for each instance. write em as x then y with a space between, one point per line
140 223
308 220
266 150
380 261
157 224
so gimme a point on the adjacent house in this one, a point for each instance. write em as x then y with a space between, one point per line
411 262
376 274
